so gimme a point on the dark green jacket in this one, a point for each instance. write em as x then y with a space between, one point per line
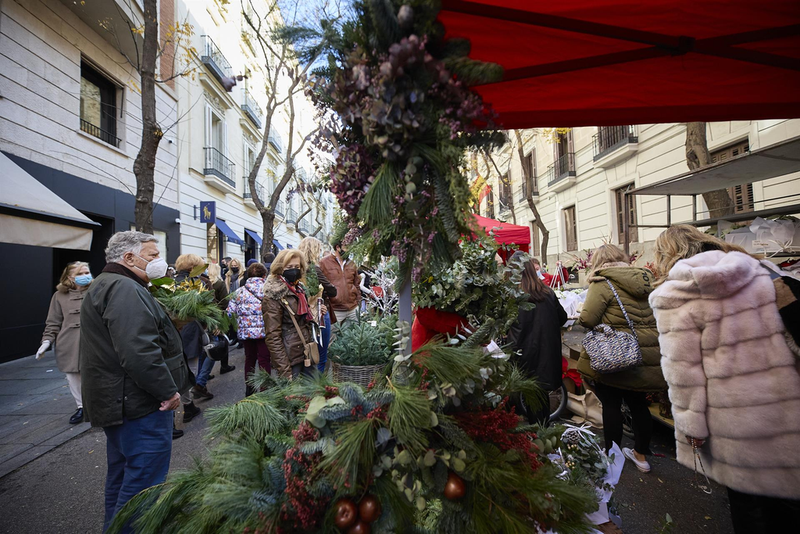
634 285
130 352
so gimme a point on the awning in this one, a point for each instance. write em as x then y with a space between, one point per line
277 245
770 162
254 235
230 234
31 214
613 62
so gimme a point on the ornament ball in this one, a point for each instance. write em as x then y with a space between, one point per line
360 528
346 513
455 487
369 509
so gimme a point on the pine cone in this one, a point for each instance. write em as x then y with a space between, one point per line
570 438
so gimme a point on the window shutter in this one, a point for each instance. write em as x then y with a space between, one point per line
208 125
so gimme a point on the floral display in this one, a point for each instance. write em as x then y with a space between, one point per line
189 301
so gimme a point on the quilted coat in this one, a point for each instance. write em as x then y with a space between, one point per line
732 378
633 284
246 304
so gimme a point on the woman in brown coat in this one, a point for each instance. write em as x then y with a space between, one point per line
285 295
63 328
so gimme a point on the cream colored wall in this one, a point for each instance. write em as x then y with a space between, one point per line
41 45
660 154
224 28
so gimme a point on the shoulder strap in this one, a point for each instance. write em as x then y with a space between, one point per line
624 312
297 326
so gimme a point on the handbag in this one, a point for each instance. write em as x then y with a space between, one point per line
310 350
216 348
612 351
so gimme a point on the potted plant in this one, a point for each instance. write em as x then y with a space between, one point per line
362 348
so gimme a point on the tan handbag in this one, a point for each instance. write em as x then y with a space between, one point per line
586 407
310 350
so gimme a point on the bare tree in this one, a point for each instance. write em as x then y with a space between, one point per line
284 78
529 197
697 156
158 40
503 178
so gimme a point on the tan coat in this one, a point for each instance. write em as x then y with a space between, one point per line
732 379
286 347
63 328
346 280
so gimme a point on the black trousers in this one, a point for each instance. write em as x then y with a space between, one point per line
757 514
612 398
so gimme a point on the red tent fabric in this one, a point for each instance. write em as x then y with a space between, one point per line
612 62
508 234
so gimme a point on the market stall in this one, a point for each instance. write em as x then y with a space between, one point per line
506 235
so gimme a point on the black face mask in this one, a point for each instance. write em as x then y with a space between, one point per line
291 275
235 269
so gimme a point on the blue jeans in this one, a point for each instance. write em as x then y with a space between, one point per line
326 340
138 453
204 367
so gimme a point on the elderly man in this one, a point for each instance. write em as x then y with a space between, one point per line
133 368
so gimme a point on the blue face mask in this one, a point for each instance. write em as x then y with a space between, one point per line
83 279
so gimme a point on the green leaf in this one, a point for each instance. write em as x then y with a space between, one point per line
166 281
312 415
197 271
430 458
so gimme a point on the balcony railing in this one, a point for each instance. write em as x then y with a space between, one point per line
563 167
213 59
610 138
305 225
291 216
252 109
220 166
259 190
280 208
99 133
275 141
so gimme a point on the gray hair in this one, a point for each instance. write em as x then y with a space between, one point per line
124 242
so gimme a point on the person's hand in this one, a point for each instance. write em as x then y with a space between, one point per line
696 443
42 349
172 403
323 310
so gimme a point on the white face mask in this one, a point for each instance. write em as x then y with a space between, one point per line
155 269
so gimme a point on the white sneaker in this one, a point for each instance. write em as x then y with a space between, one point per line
641 465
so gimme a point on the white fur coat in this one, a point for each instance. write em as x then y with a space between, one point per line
732 378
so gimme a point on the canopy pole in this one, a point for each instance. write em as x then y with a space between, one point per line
694 207
626 201
669 210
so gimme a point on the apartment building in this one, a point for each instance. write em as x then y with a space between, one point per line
221 132
70 121
580 176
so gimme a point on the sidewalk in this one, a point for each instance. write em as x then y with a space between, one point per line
35 407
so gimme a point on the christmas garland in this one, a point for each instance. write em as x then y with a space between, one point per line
407 115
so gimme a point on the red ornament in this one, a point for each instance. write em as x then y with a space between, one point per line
346 513
369 509
455 487
360 528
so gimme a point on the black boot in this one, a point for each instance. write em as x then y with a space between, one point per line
226 369
200 392
77 417
190 411
175 432
248 390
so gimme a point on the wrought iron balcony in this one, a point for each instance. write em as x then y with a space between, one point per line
280 208
275 141
96 131
252 109
291 216
248 196
220 167
305 224
610 138
563 167
213 59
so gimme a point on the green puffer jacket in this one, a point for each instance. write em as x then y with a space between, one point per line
633 285
130 352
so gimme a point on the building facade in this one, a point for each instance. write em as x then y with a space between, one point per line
580 176
70 117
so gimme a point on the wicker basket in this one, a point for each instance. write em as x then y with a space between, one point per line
358 374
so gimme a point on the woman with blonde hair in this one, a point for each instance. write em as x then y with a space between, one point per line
62 328
287 315
613 280
233 276
319 290
733 381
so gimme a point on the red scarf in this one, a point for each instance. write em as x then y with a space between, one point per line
302 303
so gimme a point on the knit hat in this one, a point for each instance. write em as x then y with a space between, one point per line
251 262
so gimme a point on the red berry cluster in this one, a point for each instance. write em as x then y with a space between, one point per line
331 391
378 413
494 426
357 411
302 510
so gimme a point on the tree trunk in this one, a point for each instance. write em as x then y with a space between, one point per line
531 203
144 166
300 218
268 232
697 156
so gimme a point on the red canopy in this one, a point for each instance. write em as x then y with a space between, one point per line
506 234
611 62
